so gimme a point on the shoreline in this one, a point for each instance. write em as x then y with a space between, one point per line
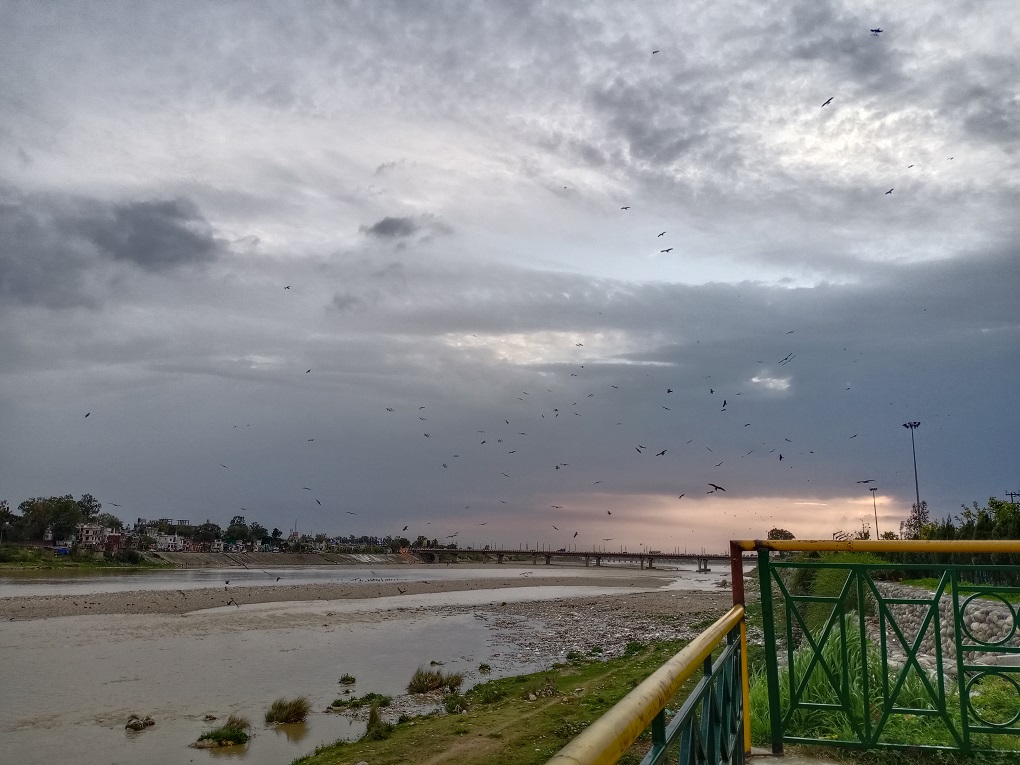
24 608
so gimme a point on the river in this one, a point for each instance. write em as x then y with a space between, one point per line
68 684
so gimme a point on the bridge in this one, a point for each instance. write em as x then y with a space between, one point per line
645 559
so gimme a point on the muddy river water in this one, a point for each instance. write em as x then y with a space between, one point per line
68 684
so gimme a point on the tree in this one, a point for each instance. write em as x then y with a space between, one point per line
208 533
916 521
777 533
89 507
109 521
277 533
238 530
258 532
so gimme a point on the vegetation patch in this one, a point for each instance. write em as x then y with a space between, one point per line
347 679
369 699
232 733
428 680
292 711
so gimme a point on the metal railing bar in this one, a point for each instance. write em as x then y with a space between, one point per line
891 545
606 739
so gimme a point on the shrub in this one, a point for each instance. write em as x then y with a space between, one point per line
347 679
293 711
233 731
425 680
454 704
633 647
484 668
377 730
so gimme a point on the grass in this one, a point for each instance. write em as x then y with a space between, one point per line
347 679
284 711
377 730
427 680
233 732
501 726
369 699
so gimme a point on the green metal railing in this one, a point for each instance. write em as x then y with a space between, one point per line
709 727
887 667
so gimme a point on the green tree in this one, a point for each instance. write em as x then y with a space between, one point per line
258 532
208 532
89 507
109 521
238 530
277 533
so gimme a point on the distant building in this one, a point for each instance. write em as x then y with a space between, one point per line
169 543
182 523
90 537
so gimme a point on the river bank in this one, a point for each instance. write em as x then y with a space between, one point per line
183 601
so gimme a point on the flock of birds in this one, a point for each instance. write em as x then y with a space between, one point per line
511 436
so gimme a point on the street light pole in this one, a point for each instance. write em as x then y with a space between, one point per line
912 426
873 489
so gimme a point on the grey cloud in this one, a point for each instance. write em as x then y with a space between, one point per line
399 228
390 227
56 251
154 235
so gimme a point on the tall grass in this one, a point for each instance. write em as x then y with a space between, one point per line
284 711
818 688
426 680
233 731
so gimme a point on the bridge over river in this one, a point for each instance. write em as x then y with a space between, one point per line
646 559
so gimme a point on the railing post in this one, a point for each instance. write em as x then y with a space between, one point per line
771 658
737 586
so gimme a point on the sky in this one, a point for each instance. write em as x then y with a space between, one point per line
511 273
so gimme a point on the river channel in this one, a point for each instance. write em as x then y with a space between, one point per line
68 684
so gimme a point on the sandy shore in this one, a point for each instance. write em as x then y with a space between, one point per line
183 601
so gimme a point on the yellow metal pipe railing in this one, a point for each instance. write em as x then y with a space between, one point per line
883 545
605 740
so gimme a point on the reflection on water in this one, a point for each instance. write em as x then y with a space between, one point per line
293 732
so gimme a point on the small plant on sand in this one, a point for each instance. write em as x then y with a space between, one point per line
377 730
347 679
284 711
484 668
233 731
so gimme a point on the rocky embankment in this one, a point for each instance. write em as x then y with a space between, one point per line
985 622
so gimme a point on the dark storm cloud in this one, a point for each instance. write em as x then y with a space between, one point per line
390 227
154 235
53 251
399 228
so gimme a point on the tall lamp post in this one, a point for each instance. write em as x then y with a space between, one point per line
912 426
873 489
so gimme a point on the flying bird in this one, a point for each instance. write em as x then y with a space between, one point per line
625 208
556 527
661 453
222 465
890 191
317 501
87 413
575 534
876 32
654 52
716 488
556 507
668 249
682 496
404 529
307 371
114 504
666 408
287 287
854 436
829 101
869 480
609 512
389 409
349 512
662 234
